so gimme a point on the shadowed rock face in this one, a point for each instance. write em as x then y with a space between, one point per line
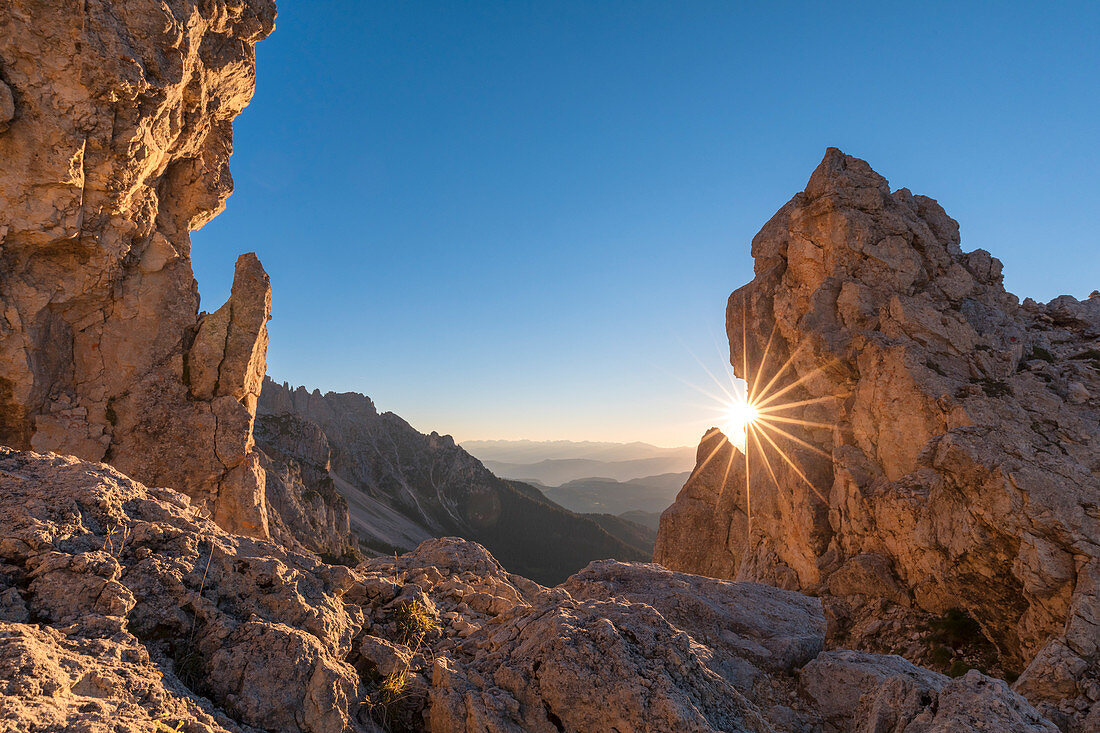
305 509
402 487
949 452
115 132
122 605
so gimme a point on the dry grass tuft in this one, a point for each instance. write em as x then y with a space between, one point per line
385 702
414 622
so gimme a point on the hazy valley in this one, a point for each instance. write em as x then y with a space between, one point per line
340 462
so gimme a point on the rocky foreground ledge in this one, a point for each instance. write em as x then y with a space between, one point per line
124 608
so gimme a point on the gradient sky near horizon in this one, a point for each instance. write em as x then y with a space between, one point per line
523 219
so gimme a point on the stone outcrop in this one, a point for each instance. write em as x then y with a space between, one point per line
402 487
122 607
115 133
305 509
106 581
943 499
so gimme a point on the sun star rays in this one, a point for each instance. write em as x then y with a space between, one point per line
754 416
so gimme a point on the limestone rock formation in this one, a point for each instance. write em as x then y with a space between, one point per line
945 441
115 132
305 510
403 487
122 606
126 605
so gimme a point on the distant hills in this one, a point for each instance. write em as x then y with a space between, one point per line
402 487
553 463
631 481
651 495
533 451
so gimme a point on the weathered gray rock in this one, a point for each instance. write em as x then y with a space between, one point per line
144 610
52 682
775 630
130 582
857 691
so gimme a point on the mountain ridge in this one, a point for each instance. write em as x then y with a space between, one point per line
403 487
557 471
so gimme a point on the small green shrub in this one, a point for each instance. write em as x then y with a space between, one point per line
958 668
387 700
941 655
189 667
393 686
109 542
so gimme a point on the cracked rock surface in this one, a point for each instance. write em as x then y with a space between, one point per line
115 132
122 606
944 501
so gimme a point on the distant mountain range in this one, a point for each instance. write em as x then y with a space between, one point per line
557 472
553 463
402 487
650 495
534 451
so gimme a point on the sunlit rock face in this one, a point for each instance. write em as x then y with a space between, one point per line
122 605
941 495
115 137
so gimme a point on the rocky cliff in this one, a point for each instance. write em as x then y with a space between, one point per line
403 487
942 494
305 509
125 609
115 136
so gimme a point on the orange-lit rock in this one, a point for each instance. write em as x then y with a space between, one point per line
952 488
145 610
115 136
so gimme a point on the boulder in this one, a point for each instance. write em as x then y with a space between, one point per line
126 607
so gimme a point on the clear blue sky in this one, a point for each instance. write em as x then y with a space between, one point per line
522 219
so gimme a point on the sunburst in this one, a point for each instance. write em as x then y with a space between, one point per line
754 413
